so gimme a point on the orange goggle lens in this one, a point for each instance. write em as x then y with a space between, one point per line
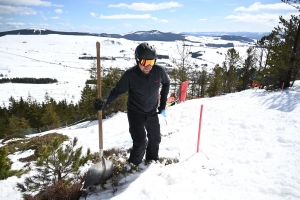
145 62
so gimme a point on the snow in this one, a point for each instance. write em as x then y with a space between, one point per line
249 147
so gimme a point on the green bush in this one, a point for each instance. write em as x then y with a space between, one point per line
5 166
56 164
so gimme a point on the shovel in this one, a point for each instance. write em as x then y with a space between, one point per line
102 170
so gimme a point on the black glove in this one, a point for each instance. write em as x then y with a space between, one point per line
161 107
159 110
100 104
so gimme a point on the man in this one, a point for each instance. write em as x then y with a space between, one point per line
142 83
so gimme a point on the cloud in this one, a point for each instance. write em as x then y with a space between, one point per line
16 10
160 20
163 21
56 17
93 14
261 18
258 6
130 16
125 16
45 18
146 6
127 25
265 18
65 25
58 11
96 28
26 2
55 5
15 24
202 19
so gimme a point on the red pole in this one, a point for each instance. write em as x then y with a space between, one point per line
199 130
282 87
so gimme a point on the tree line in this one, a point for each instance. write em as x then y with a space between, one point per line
28 80
28 113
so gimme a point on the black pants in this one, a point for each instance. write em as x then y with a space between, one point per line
138 125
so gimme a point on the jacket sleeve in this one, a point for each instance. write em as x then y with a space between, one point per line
121 87
165 81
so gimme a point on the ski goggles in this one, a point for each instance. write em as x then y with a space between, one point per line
145 62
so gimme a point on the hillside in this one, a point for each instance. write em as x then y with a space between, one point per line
249 150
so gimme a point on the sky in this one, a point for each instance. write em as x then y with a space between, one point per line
122 17
249 149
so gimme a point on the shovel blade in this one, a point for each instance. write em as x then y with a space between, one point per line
98 172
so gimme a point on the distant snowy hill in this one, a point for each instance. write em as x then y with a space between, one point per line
67 58
153 35
252 35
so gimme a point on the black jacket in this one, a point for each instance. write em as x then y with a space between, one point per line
142 89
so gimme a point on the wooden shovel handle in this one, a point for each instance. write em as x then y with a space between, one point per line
99 96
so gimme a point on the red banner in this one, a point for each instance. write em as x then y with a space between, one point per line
183 90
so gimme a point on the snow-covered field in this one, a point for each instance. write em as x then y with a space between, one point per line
249 149
56 56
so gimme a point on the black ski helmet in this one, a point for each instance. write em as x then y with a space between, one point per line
144 51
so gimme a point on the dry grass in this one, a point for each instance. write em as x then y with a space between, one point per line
58 191
13 136
34 143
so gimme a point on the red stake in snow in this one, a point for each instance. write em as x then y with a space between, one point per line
199 130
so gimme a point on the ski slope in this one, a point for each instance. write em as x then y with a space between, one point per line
249 149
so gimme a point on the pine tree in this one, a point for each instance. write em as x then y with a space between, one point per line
62 110
49 116
215 81
88 95
4 163
203 81
294 3
4 119
5 166
249 66
56 164
290 48
108 83
17 124
195 85
283 60
233 61
175 80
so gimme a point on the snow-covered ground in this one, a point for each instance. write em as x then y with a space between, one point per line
57 56
249 149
